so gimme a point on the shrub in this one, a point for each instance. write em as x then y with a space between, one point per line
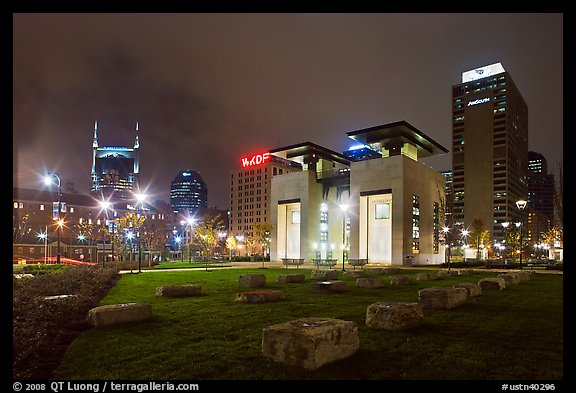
43 329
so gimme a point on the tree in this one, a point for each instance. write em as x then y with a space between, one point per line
262 232
250 244
88 230
479 236
153 238
231 244
129 222
206 235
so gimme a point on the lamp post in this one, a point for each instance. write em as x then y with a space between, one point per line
44 236
108 205
48 181
465 233
140 199
188 237
130 236
521 204
446 231
239 239
178 240
344 208
505 225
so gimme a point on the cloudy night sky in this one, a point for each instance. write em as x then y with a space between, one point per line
207 89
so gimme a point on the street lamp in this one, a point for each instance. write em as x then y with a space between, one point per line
505 225
188 233
446 231
44 236
239 239
344 208
521 204
178 240
130 236
108 205
465 233
48 181
140 199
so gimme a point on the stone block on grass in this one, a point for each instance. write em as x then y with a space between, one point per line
492 284
179 290
252 280
400 280
324 274
510 278
114 314
286 278
394 315
473 289
442 298
310 342
369 283
259 296
427 276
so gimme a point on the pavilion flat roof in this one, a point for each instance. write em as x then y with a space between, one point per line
399 131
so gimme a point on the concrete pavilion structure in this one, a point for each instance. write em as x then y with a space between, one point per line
385 209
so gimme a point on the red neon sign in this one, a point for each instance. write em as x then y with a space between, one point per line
255 159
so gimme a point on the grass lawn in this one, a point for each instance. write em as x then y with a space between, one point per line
513 334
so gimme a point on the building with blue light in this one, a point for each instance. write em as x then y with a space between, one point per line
188 194
115 169
383 209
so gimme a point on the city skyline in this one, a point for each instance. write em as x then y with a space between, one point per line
207 89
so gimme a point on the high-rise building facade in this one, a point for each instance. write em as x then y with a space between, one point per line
188 194
541 188
250 186
489 149
541 185
115 169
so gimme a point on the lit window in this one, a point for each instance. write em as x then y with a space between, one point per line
42 207
382 211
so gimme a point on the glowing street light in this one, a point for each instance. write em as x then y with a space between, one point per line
48 181
465 233
188 233
446 231
521 205
44 236
178 240
107 205
344 208
140 200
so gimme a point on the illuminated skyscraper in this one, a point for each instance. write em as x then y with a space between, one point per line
115 170
188 194
541 186
489 149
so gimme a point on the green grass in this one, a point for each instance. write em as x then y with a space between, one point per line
513 334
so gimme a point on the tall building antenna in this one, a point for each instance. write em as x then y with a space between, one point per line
95 141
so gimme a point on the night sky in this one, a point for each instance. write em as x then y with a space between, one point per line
209 88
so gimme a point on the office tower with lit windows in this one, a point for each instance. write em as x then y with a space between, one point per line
489 149
115 170
541 189
188 194
250 185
